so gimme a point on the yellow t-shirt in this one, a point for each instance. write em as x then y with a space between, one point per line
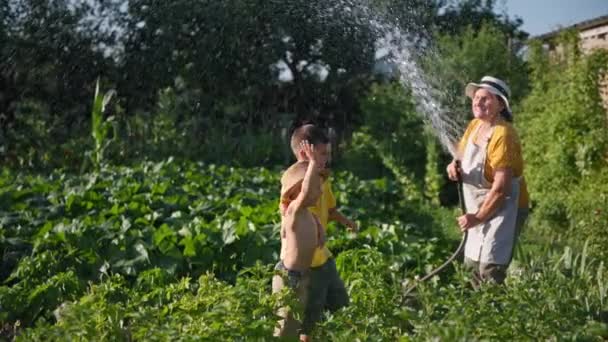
321 211
504 151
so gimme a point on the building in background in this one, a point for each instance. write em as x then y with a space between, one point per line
593 34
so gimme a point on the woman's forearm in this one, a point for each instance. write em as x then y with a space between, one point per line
501 188
493 201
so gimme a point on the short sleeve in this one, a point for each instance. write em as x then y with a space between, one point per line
501 150
330 199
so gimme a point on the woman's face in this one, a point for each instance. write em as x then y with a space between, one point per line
486 106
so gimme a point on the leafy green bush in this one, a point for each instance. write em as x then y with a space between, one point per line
587 213
170 251
176 129
564 291
563 128
392 138
470 56
39 140
188 219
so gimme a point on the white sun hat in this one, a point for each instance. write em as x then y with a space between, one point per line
494 85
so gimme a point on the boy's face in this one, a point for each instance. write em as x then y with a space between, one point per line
322 153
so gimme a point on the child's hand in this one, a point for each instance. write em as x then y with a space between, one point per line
309 151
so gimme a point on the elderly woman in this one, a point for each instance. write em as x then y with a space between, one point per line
491 169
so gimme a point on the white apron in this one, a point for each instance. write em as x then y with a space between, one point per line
492 241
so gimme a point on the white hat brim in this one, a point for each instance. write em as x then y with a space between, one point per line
471 88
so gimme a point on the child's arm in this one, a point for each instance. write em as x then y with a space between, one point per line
336 215
310 172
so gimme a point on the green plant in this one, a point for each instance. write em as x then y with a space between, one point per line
100 125
401 149
181 251
563 129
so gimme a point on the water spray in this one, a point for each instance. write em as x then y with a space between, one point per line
397 48
460 246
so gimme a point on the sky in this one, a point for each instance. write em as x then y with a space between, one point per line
542 16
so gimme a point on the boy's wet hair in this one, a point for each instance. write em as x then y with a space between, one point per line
314 134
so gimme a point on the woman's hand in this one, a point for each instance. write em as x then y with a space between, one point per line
453 171
468 221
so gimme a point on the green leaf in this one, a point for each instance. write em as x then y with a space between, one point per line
228 232
189 246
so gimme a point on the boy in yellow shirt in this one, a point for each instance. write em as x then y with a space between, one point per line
301 234
326 288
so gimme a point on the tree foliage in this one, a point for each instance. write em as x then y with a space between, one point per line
564 129
233 66
470 56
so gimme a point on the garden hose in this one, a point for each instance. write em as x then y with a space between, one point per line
462 242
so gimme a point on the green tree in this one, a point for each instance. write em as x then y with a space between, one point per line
51 55
397 134
456 16
229 54
470 56
563 125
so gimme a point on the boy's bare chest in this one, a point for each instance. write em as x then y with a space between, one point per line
301 222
